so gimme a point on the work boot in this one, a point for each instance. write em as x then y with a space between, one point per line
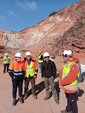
64 111
21 100
57 102
14 102
46 98
34 96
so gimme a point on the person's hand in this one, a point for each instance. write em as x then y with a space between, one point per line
60 86
14 77
35 77
52 77
24 69
42 79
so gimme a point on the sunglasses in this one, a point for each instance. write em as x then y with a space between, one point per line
47 57
64 55
28 55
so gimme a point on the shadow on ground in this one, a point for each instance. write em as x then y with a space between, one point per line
38 88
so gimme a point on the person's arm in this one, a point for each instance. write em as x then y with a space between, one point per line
4 59
71 76
42 70
11 69
36 69
23 69
54 70
39 56
9 58
60 78
60 75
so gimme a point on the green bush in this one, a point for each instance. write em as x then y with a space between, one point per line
81 23
53 13
61 13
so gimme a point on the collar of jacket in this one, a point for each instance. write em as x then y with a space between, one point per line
47 62
29 61
18 62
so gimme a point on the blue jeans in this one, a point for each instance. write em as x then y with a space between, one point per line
40 65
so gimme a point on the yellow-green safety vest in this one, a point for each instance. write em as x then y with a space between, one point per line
66 71
39 59
6 60
51 59
30 70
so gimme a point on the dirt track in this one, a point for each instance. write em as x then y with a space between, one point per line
35 106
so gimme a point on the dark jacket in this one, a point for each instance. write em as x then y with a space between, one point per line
48 69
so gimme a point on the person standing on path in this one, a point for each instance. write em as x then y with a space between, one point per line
6 60
52 58
49 73
40 60
68 82
31 70
17 73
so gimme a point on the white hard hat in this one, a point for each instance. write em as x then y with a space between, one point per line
28 54
46 54
67 53
6 54
18 55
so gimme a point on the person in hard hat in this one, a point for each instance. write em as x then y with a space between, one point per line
68 82
40 60
52 58
31 70
49 73
6 60
17 73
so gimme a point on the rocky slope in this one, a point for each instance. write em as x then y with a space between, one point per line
64 30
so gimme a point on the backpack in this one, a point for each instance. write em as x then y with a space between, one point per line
81 77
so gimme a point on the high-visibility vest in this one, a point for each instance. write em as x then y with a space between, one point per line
51 59
6 60
39 59
66 70
17 69
30 70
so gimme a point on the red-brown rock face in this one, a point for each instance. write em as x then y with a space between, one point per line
64 30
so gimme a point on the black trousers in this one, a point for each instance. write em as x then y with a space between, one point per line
17 84
71 102
6 67
27 80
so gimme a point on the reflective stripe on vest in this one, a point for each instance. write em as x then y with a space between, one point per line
6 60
66 71
17 68
30 70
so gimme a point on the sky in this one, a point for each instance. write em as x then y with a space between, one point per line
16 15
